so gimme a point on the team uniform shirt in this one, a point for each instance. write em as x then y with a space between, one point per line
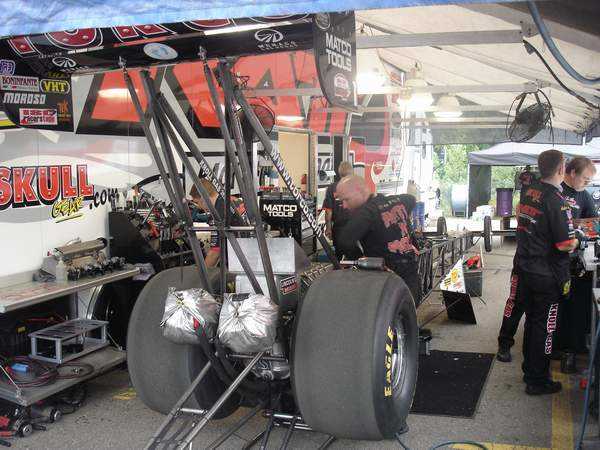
581 202
545 227
235 219
339 215
383 227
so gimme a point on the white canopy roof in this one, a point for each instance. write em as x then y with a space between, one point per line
515 154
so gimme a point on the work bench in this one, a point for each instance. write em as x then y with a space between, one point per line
24 295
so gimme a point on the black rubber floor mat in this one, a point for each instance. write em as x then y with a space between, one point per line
450 383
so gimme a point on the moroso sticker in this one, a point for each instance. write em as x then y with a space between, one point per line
55 86
17 83
288 285
37 116
23 98
7 66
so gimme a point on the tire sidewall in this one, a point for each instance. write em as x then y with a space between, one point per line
392 410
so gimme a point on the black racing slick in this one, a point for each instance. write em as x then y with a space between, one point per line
384 229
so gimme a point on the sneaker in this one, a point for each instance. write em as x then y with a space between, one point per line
503 355
549 387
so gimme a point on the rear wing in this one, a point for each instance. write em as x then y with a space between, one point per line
36 70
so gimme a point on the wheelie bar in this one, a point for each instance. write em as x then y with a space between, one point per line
194 420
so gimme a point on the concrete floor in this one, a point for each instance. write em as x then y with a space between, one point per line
114 418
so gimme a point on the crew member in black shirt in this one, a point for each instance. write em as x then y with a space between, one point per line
212 256
545 236
382 226
575 313
335 215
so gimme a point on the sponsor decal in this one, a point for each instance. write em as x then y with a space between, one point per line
7 66
50 86
389 342
64 62
23 98
510 302
323 21
37 116
64 114
160 51
64 187
17 83
341 86
280 210
270 39
339 52
551 324
288 285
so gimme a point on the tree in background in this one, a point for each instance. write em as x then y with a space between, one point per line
451 168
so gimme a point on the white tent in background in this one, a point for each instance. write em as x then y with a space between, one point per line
522 154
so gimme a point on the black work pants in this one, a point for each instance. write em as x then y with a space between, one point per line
575 316
513 311
541 296
408 272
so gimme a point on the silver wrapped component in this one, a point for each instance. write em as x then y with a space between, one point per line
248 323
182 308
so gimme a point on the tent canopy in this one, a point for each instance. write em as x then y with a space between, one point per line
21 17
522 154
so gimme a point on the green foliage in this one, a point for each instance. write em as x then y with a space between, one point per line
450 167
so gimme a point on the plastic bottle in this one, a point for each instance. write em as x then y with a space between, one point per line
61 271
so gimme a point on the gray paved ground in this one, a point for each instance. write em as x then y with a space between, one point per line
505 414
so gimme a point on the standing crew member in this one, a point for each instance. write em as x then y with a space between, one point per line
212 256
575 312
382 225
335 215
545 236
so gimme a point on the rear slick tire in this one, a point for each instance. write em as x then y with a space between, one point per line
355 354
161 370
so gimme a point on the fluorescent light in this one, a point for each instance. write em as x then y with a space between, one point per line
290 118
448 106
114 93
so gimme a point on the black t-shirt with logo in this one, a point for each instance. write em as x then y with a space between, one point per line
383 227
545 226
581 202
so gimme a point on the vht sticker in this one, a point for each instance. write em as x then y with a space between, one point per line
37 116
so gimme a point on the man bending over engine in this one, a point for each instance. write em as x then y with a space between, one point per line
383 227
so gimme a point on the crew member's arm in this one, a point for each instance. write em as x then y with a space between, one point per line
588 209
328 204
214 252
561 226
355 229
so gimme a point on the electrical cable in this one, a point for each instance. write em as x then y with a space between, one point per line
531 49
586 400
539 22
